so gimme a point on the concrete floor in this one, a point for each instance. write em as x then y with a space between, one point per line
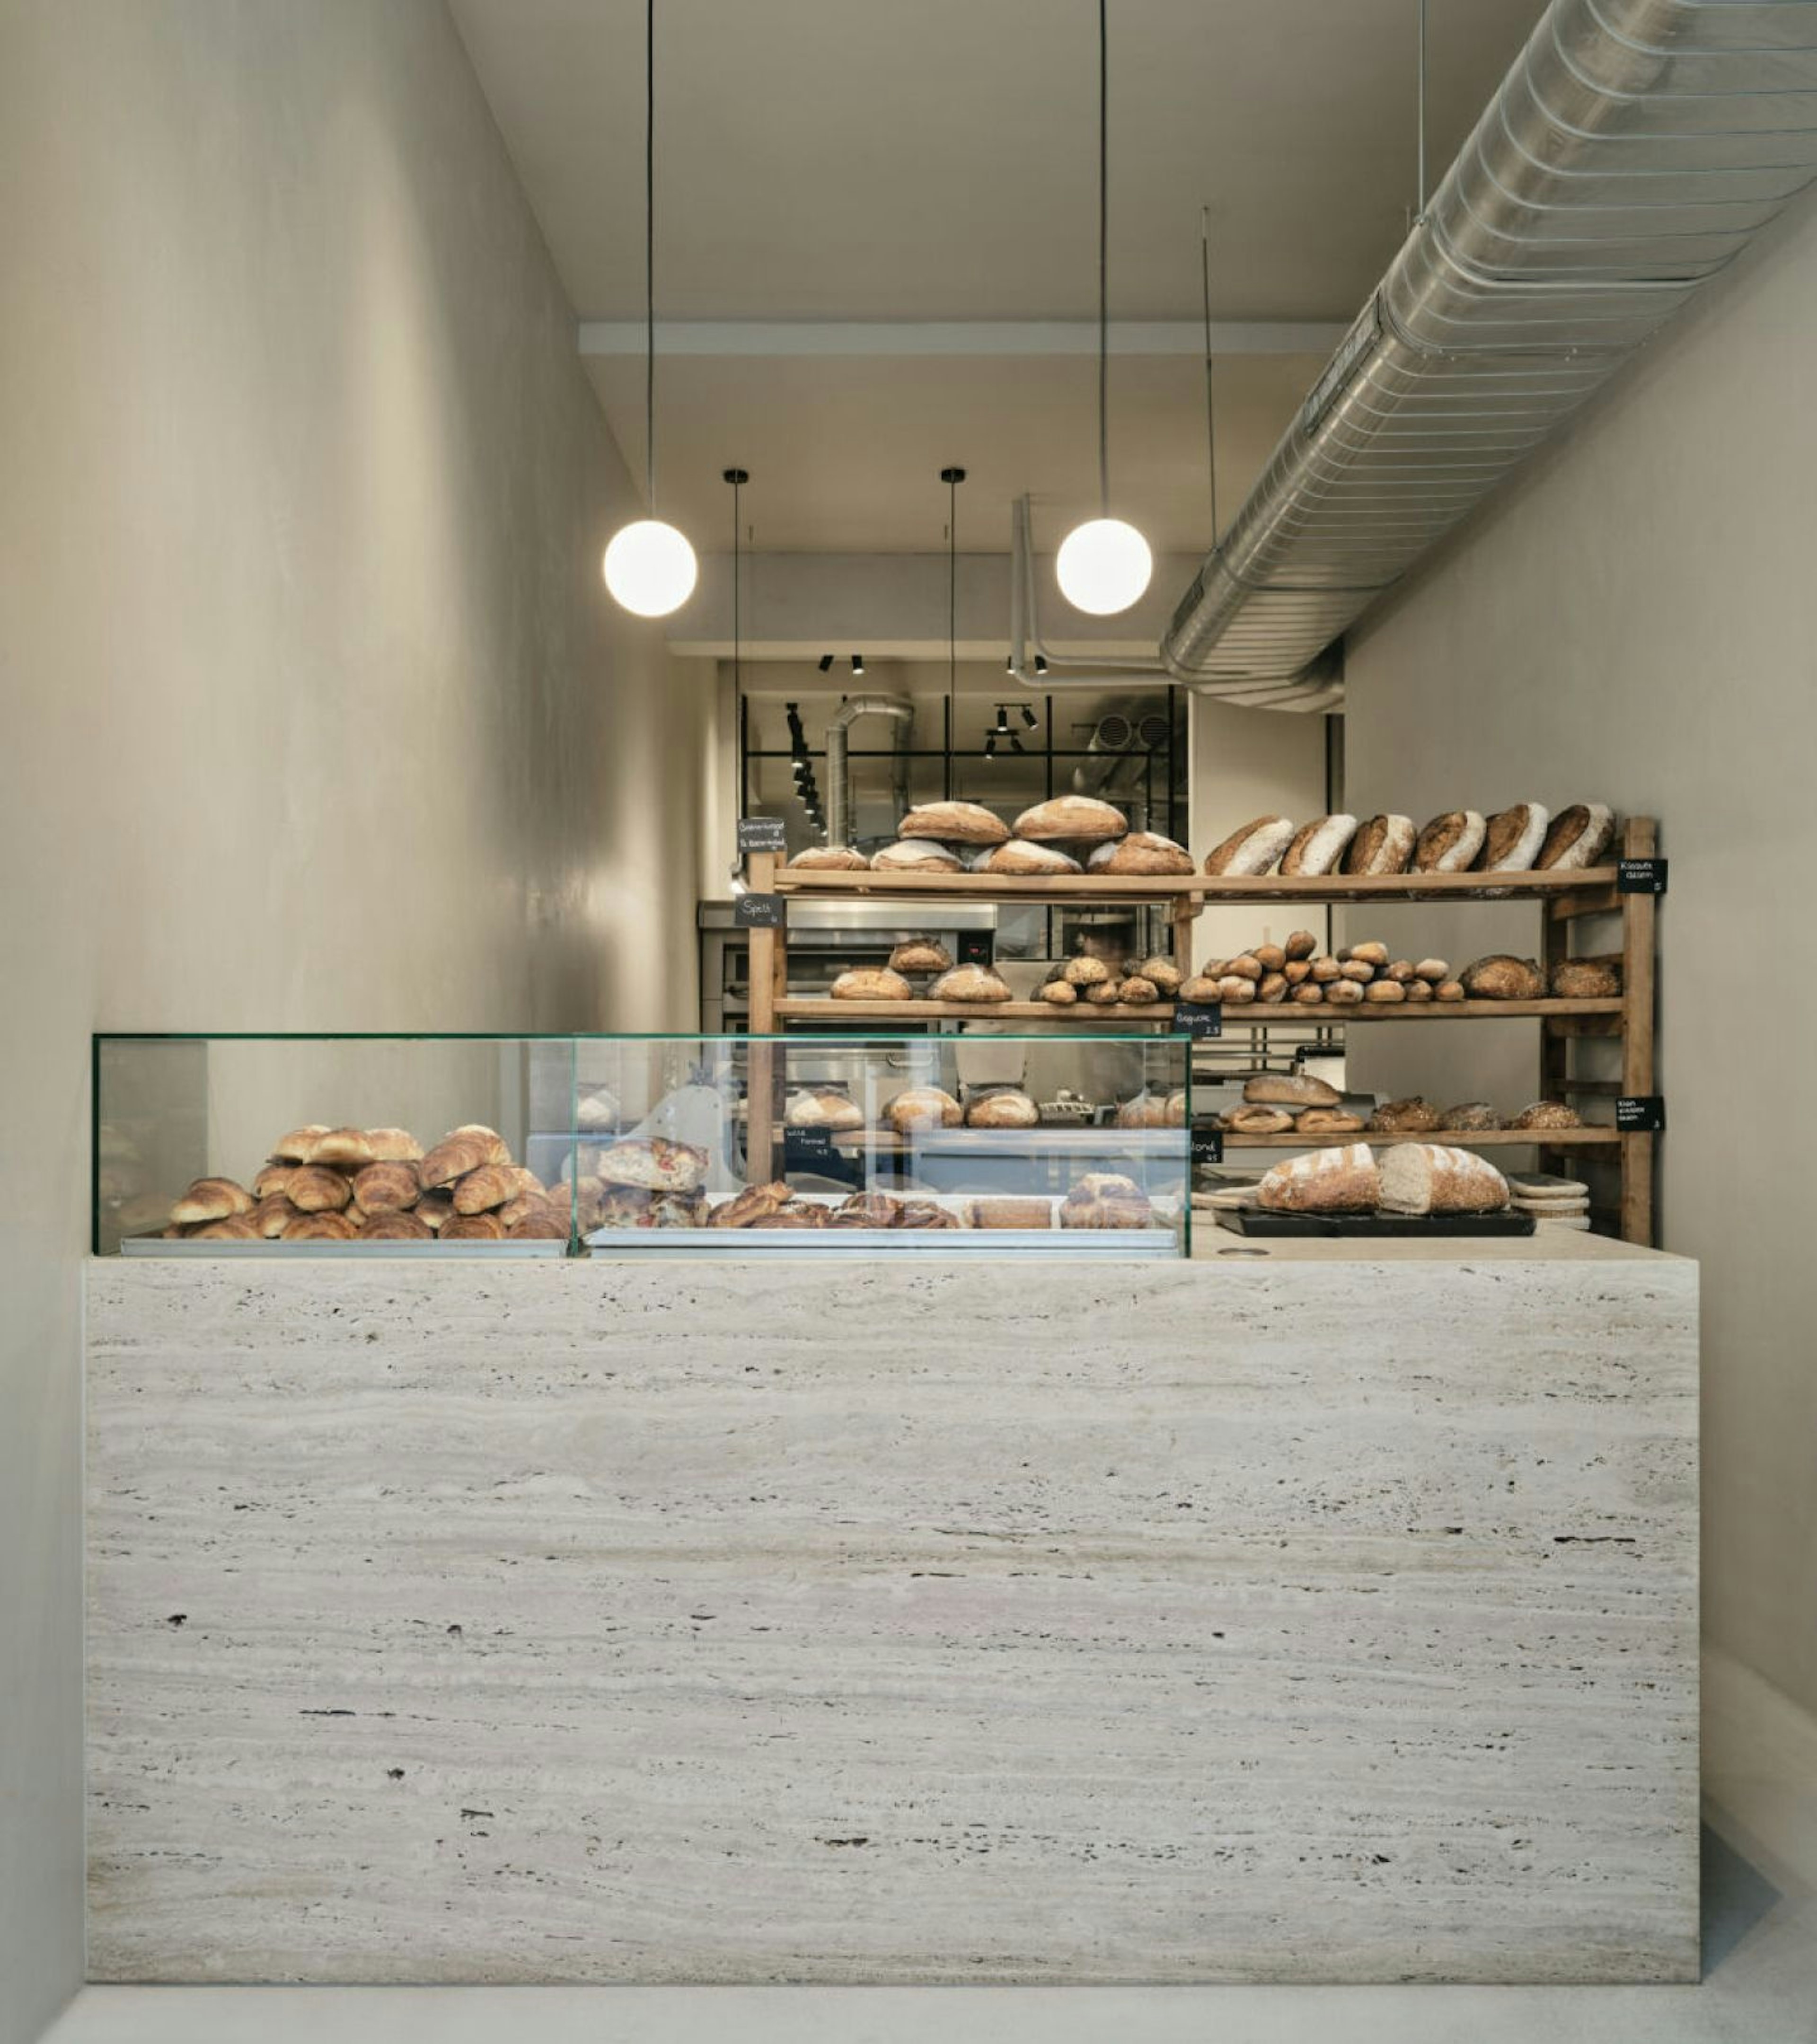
1760 1986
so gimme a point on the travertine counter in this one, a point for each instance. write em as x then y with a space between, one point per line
1321 1616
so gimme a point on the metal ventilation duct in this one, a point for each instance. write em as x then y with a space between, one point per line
1636 147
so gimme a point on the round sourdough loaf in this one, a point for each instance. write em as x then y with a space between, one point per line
1082 818
958 823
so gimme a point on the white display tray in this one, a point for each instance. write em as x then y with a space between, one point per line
1095 1245
141 1245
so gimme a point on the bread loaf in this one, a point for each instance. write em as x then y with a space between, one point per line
1511 839
822 1107
1010 1212
314 1188
1385 992
1384 844
343 1149
830 859
1572 979
1058 993
961 822
1325 969
1411 1117
1086 971
969 982
1358 969
541 1222
1081 819
923 1107
1501 977
1105 1199
1343 1181
1433 1177
1162 974
914 854
1399 970
1301 944
1318 846
1136 992
388 1187
1309 993
1548 1114
1002 1107
1344 993
871 982
1252 850
1290 1090
1104 993
1470 1114
1327 1121
651 1162
1142 852
1295 970
1257 1121
1435 969
1368 953
1021 857
1272 986
1449 843
1578 837
920 955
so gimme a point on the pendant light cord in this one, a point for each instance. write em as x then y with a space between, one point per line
1103 258
1211 412
737 638
952 620
649 253
1420 215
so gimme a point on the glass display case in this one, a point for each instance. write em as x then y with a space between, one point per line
516 1145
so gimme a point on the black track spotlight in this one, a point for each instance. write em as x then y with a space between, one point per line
1009 663
1040 663
1030 721
1002 729
826 663
857 663
990 747
1016 744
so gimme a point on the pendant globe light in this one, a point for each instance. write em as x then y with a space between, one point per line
650 567
1103 565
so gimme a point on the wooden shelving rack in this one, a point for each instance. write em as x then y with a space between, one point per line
1562 899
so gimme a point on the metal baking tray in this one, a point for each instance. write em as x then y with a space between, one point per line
1249 1220
1096 1245
291 1252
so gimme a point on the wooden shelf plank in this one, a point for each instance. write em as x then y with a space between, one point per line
1048 1142
1255 1015
1460 1139
1072 889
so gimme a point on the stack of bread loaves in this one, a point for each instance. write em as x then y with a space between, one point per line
377 1185
1295 971
1524 839
1071 834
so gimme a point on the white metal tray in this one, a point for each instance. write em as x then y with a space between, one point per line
142 1245
1095 1245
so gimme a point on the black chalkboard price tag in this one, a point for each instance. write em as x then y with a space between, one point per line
761 834
1640 876
808 1149
1642 1116
977 948
760 912
1198 1018
1208 1146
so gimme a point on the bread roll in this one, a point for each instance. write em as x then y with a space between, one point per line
914 854
1572 979
961 822
1086 972
314 1188
1318 846
452 1158
212 1199
1290 1090
829 858
1385 992
1105 994
1257 1121
1512 838
1237 991
871 982
1301 944
1272 986
1105 1199
491 1185
1252 850
920 955
1327 1121
323 1227
1271 957
394 1227
1578 837
1058 993
1384 844
1435 969
1201 988
1010 1212
1142 852
1368 954
1449 843
1309 993
969 982
1344 993
1419 989
1412 1116
1022 858
1295 970
1002 1107
1325 969
1245 965
923 1107
652 1162
822 1107
1398 970
1162 974
1449 989
1470 1114
388 1187
394 1146
1145 1110
1359 971
1081 818
1434 1177
1343 1181
1136 992
343 1149
1547 1114
1501 977
294 1148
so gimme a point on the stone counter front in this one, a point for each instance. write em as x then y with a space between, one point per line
1327 1620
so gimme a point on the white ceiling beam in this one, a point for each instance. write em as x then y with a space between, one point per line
776 338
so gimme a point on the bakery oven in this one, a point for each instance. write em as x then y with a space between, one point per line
825 938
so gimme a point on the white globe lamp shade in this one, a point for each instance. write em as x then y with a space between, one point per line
1104 565
650 568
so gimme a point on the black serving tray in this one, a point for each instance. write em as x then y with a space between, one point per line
1252 1220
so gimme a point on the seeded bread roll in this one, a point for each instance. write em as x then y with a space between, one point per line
1104 993
343 1149
1136 992
923 1107
1318 846
1449 843
540 1222
1022 857
1385 992
1327 1121
1384 844
1253 850
830 859
1162 974
1412 1116
1079 818
1290 1090
958 823
871 982
1572 979
394 1146
1343 1181
1433 1177
1141 852
914 854
1002 1107
1547 1114
1578 837
822 1107
1058 993
1258 1121
1511 839
969 982
295 1148
314 1188
920 955
1501 977
1086 971
1468 1115
387 1188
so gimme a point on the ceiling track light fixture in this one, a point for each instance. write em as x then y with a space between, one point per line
857 663
826 663
650 567
1103 564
